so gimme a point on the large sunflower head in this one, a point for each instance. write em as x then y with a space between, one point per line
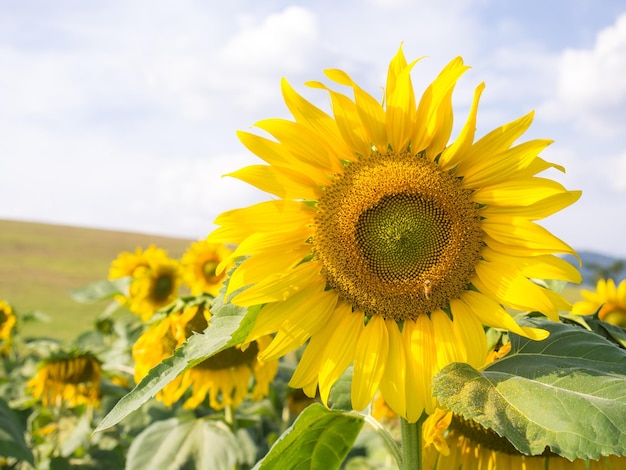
68 378
454 443
608 300
227 378
389 248
7 326
153 286
200 264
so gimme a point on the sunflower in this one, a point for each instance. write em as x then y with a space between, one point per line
7 325
389 249
225 377
68 378
153 286
199 267
608 300
454 443
126 263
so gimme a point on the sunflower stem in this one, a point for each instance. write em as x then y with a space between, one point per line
412 443
387 438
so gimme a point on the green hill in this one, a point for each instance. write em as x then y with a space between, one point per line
41 263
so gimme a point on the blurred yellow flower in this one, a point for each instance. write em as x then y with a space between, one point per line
609 299
69 379
225 377
7 325
154 279
387 248
199 267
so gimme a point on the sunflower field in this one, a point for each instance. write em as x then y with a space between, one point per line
395 303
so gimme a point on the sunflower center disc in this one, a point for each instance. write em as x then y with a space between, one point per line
163 287
397 236
402 236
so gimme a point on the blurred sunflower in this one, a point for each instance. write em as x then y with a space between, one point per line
154 279
388 248
199 267
225 377
454 443
7 325
126 262
71 379
154 286
608 299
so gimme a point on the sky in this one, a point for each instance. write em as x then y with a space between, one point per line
123 114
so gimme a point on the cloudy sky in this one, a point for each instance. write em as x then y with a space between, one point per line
122 114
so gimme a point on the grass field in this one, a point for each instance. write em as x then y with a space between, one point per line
41 263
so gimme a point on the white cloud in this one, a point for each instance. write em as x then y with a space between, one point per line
591 88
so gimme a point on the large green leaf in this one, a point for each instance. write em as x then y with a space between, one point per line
567 392
12 443
176 444
318 439
230 326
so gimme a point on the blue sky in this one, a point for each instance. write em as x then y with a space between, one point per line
122 114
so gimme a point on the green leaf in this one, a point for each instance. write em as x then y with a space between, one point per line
341 393
319 438
567 392
12 443
100 290
230 326
195 444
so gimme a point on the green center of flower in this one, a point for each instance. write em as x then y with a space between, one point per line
402 236
397 236
231 357
208 270
163 286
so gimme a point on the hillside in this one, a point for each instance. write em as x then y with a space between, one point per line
41 263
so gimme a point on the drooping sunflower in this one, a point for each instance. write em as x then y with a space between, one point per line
199 267
226 377
454 443
390 248
68 378
7 325
608 298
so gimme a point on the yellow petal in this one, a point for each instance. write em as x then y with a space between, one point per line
370 358
370 111
518 233
537 210
393 383
399 103
310 363
340 350
272 316
490 313
518 192
305 320
510 288
470 332
448 348
452 154
268 216
537 267
303 143
280 181
311 116
422 354
279 286
433 119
